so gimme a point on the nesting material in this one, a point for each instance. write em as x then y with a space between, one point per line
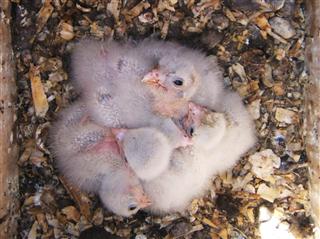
264 64
38 95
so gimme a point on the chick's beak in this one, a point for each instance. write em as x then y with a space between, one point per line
154 78
144 201
150 80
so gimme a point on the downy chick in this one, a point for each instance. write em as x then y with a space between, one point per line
89 157
211 94
146 149
238 138
172 85
105 73
114 91
220 138
215 150
209 86
188 175
185 179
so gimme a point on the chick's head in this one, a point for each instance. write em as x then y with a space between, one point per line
173 79
124 198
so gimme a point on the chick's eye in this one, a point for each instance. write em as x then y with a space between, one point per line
191 131
178 82
132 207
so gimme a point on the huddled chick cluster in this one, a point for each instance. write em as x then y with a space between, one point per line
154 123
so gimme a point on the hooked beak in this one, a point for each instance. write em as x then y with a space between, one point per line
144 201
154 78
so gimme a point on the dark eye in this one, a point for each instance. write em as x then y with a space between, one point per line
190 131
178 82
132 207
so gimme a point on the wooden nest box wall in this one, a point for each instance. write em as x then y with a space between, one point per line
9 200
312 106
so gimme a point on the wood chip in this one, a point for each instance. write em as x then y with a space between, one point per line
230 15
286 116
114 8
71 213
164 29
208 222
239 69
44 14
33 231
97 218
268 193
135 11
66 31
280 54
278 89
254 109
246 89
224 233
264 163
277 37
262 23
80 198
250 215
41 219
29 148
38 95
165 5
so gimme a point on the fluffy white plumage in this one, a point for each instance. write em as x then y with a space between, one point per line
173 190
88 156
147 151
238 138
104 72
110 74
216 148
209 88
210 93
